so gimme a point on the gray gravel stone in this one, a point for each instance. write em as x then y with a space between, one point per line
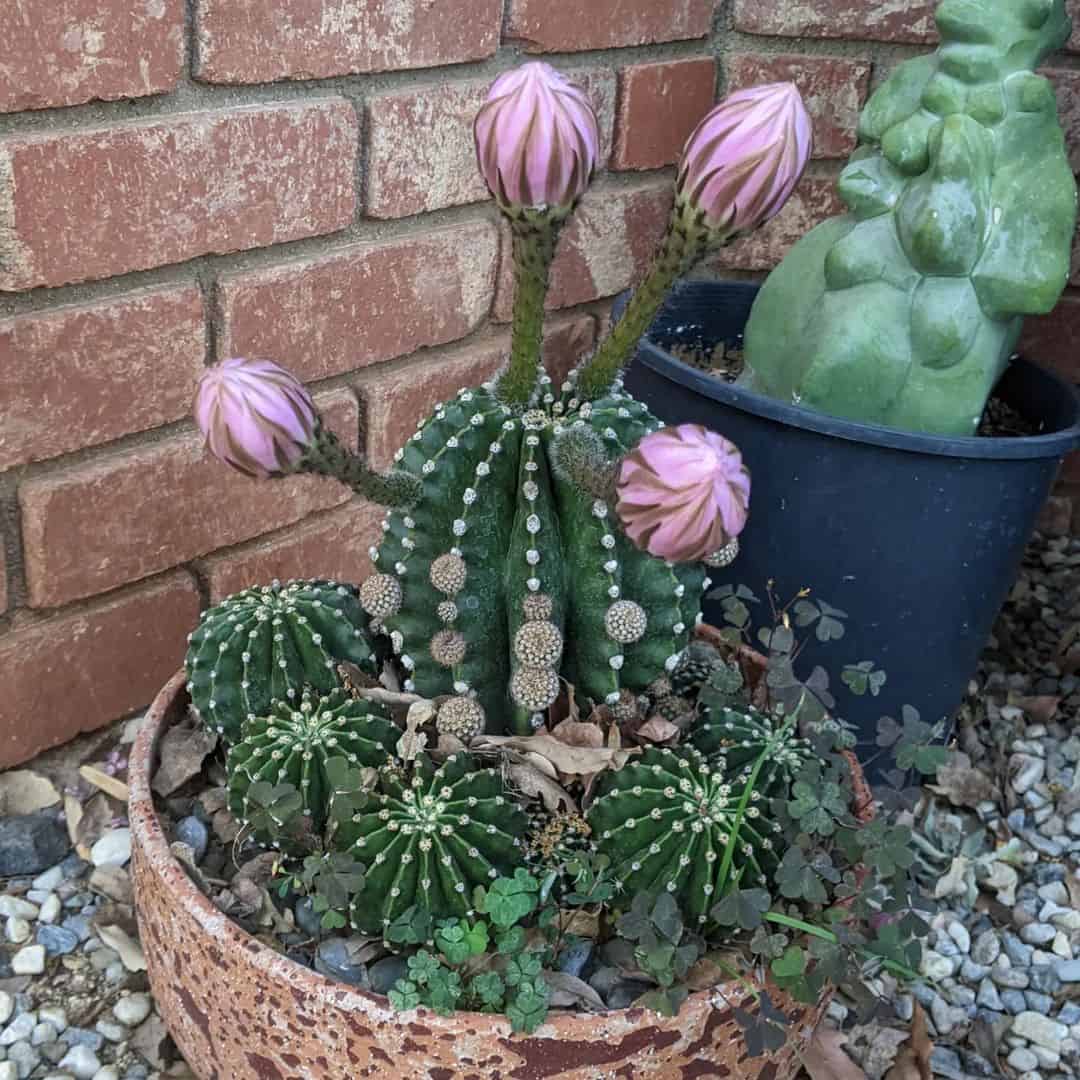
193 832
19 1028
986 948
988 996
133 1009
1040 1029
1037 934
1044 978
81 1062
1017 951
25 1059
1023 1060
75 1036
58 940
1040 1003
1014 1001
973 973
31 843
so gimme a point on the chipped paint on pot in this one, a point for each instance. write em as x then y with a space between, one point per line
237 1009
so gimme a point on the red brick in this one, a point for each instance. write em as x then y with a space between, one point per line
606 246
574 25
3 577
396 401
834 90
814 200
421 154
1054 340
80 670
1067 84
127 515
152 192
882 20
79 376
659 105
333 545
64 52
364 303
248 41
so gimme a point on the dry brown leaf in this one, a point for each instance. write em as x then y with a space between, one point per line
448 745
414 740
577 733
614 738
824 1058
707 973
657 730
23 792
569 761
536 785
183 750
1041 708
961 784
97 812
577 921
121 942
540 764
73 813
913 1060
104 782
1073 885
113 882
567 991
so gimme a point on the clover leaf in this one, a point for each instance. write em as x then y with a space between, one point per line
404 995
510 940
509 900
522 969
411 927
798 879
743 908
529 1008
817 805
488 989
423 966
444 989
767 945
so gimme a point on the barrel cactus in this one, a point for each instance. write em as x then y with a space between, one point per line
269 643
961 210
735 739
430 838
293 742
665 820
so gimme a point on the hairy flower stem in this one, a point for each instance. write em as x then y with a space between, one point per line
535 235
686 242
328 456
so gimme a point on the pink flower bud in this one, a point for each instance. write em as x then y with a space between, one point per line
744 159
537 139
256 416
683 493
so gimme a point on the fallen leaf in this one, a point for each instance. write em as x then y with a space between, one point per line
1041 708
414 740
536 785
113 882
579 922
568 991
183 750
149 1041
121 942
707 973
23 792
963 785
824 1058
448 745
913 1060
569 761
541 765
657 730
104 782
73 813
1072 883
577 733
362 950
259 869
97 813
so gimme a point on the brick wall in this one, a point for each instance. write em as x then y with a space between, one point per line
184 180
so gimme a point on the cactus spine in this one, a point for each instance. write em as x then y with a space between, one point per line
269 643
292 744
431 838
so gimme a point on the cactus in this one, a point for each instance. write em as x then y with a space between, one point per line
665 820
962 205
267 644
431 838
701 664
507 577
735 738
294 741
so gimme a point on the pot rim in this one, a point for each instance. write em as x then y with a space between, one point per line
149 838
1055 444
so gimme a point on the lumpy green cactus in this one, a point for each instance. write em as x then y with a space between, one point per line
294 741
269 643
961 210
431 838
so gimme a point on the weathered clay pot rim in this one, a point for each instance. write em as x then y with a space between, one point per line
148 835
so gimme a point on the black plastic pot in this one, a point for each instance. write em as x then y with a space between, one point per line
918 538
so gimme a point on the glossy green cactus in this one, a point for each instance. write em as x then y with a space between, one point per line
294 741
268 643
508 576
733 739
431 838
961 210
665 818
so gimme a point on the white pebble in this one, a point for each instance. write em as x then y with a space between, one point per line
20 1028
8 1071
133 1009
107 1073
7 1006
29 960
55 1015
50 879
50 909
81 1062
1023 1060
17 930
110 1030
960 935
14 907
113 849
1040 1029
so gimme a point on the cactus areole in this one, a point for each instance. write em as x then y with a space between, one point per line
961 210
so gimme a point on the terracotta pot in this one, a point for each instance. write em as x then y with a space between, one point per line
238 1009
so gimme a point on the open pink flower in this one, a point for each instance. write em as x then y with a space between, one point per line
537 139
683 493
742 161
256 416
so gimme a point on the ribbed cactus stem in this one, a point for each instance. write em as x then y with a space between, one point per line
328 456
685 244
535 233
